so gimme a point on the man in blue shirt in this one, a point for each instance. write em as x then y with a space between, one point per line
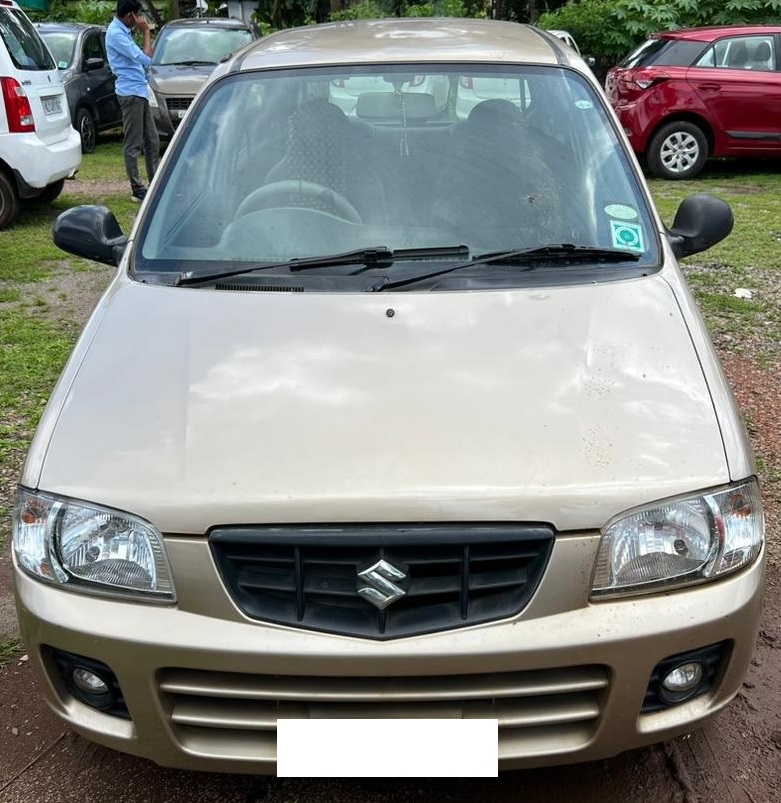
129 63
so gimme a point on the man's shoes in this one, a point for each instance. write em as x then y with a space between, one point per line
138 195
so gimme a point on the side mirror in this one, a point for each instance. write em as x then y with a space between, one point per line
94 63
591 61
91 232
700 222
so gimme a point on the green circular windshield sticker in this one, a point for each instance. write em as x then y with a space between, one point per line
621 211
627 235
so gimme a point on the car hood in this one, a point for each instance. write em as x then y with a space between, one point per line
194 407
179 79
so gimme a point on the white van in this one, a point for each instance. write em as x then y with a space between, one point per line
39 148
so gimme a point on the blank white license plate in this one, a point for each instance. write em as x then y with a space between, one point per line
51 105
398 748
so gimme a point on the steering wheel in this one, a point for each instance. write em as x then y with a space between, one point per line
270 195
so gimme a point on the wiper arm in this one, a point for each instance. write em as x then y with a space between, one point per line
363 256
367 257
188 63
560 253
564 253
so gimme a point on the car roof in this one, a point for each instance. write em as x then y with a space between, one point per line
208 22
710 33
67 27
404 40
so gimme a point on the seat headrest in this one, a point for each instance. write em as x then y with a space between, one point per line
395 106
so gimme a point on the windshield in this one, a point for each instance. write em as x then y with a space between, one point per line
62 46
24 45
202 45
283 165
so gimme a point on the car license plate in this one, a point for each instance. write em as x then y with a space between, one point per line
401 748
51 105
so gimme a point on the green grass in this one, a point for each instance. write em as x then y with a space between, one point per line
9 651
749 258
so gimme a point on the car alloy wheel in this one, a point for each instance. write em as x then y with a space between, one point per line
677 151
85 125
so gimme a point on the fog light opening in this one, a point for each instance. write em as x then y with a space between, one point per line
684 676
682 682
87 681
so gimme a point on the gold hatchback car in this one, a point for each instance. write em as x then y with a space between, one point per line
397 408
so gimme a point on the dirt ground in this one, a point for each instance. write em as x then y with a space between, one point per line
735 759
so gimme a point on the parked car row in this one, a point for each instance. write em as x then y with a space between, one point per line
185 53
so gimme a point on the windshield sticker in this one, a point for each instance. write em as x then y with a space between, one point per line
621 211
584 104
627 235
62 65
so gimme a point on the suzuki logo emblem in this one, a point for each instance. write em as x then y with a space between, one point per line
380 584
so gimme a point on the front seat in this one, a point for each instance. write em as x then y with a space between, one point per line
763 56
499 181
325 148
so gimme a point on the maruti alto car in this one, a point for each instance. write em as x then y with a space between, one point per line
392 415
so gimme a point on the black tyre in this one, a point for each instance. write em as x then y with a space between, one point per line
9 201
677 151
85 125
50 193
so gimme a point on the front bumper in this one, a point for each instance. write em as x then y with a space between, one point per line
566 679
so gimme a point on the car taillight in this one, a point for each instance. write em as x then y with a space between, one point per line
17 106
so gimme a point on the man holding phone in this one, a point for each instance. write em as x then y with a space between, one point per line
130 63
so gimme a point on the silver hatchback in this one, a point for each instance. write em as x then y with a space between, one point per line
416 419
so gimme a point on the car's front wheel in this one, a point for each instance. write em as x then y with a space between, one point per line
677 151
85 125
9 201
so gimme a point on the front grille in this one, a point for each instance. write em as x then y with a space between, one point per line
178 104
177 108
431 578
232 715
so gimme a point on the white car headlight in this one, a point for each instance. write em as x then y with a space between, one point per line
89 548
153 99
680 542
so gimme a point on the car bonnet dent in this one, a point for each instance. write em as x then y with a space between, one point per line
563 404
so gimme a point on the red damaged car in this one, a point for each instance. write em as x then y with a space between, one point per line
685 95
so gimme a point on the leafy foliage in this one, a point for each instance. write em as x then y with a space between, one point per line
377 9
614 27
95 12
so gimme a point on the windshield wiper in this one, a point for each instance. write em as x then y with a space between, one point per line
526 258
362 256
367 257
188 63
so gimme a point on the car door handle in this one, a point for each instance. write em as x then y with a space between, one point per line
709 87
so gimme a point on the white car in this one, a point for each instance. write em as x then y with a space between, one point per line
39 148
346 91
474 88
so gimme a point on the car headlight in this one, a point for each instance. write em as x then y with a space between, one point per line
153 99
680 542
89 548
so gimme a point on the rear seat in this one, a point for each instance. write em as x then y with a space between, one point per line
411 150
